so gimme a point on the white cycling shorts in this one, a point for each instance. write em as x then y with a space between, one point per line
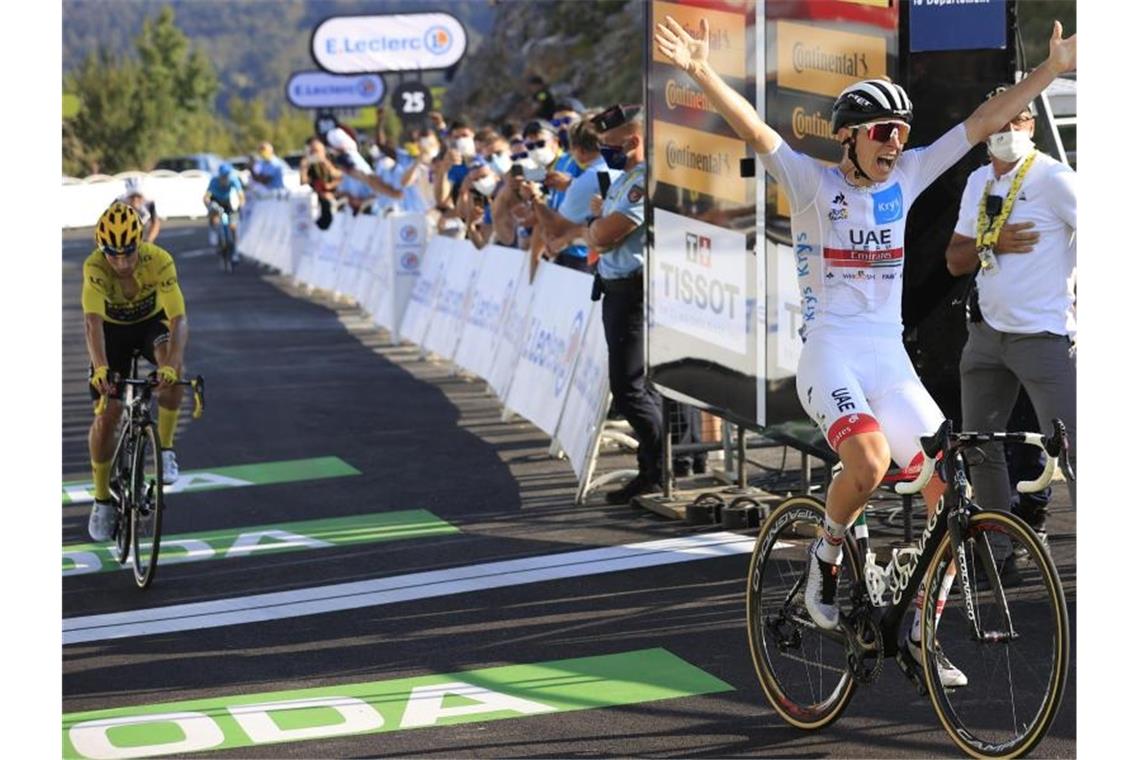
850 382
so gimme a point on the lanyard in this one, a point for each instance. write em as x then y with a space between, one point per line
988 227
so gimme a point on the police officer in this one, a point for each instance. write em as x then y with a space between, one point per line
618 234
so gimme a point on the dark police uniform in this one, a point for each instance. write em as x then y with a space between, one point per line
623 316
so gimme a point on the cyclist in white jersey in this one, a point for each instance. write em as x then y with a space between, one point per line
854 377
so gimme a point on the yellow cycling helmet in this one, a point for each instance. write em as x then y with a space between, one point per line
119 230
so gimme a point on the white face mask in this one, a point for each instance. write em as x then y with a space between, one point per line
501 162
465 146
1010 146
543 156
485 185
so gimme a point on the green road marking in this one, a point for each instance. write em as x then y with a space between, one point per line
82 559
513 691
78 491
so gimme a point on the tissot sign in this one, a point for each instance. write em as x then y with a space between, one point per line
318 89
403 42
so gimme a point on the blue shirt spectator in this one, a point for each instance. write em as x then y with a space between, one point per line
269 171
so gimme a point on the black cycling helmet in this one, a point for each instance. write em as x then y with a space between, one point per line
870 100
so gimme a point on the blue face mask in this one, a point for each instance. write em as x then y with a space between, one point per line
614 156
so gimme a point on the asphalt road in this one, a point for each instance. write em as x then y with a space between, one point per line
452 599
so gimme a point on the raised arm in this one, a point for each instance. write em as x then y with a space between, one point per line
996 112
692 56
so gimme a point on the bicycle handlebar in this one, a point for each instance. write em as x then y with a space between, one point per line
197 384
944 442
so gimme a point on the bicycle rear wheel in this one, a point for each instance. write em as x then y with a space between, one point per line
146 515
1018 667
802 669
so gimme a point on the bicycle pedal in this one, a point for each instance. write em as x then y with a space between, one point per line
909 669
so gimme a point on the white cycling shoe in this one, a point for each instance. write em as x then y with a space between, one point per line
819 592
948 674
101 524
169 467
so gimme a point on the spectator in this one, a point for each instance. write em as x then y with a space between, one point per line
474 202
564 227
136 199
542 100
319 173
565 116
542 148
452 168
1019 211
619 234
269 170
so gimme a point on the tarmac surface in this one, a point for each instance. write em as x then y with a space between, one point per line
538 635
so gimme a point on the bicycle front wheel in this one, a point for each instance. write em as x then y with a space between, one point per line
146 514
1011 643
802 669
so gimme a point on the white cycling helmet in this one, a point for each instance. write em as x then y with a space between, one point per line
133 186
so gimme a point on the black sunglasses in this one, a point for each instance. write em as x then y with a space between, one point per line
532 144
117 252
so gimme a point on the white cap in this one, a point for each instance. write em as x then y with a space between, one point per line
339 140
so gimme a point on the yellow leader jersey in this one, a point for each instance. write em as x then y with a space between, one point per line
157 288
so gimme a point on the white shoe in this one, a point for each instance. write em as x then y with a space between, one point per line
101 524
951 677
819 593
169 467
213 237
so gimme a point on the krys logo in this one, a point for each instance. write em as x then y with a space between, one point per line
888 204
408 233
409 262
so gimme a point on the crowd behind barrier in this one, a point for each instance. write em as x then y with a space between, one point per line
176 194
538 344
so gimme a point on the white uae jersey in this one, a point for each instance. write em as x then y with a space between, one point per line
848 240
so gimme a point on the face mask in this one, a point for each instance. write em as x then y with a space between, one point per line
501 162
615 157
465 146
1010 146
485 185
543 156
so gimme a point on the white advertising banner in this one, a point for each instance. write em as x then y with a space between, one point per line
421 304
319 89
329 244
453 301
511 335
408 242
375 274
403 42
490 301
699 287
551 341
353 254
584 414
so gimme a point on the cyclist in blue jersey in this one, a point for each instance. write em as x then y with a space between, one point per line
225 190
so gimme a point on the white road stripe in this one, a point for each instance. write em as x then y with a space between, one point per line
401 588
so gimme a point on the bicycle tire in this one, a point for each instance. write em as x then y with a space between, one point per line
146 511
795 691
1009 681
120 479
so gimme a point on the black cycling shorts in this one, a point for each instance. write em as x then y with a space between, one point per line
121 342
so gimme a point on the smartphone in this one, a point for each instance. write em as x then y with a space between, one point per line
516 170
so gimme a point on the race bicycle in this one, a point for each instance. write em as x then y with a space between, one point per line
1005 625
136 472
225 245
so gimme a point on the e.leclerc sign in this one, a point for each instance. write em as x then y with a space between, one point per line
402 42
318 89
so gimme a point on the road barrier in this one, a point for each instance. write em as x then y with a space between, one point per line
539 344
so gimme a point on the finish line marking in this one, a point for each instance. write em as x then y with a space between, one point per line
355 709
238 476
84 559
377 592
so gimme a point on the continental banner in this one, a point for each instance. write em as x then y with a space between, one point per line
804 121
699 161
824 61
728 48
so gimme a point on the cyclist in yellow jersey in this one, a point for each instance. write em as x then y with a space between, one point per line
131 303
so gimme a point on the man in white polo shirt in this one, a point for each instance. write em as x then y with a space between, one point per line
1017 229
